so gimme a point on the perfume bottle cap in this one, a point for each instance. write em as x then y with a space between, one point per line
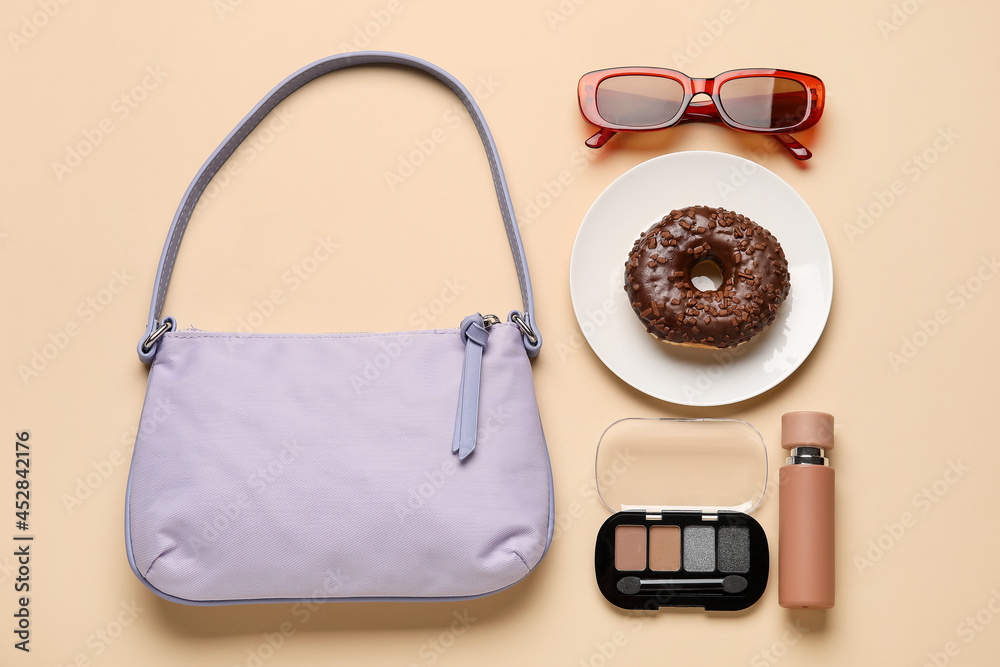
807 429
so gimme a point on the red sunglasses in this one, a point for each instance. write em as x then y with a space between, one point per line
640 99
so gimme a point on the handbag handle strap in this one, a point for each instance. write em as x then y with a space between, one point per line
525 319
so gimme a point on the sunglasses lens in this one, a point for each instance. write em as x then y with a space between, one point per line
639 100
765 102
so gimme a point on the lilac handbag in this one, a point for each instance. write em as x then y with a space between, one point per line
269 478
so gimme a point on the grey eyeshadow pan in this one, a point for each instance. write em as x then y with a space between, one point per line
734 549
699 548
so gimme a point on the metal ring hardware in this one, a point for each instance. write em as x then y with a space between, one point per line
147 344
525 328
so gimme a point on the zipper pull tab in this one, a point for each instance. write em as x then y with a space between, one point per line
474 332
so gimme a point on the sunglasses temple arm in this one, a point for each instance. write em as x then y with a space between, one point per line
797 150
600 138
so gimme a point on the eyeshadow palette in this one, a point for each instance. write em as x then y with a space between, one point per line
680 536
682 559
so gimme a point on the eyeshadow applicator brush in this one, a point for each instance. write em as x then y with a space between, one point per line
730 585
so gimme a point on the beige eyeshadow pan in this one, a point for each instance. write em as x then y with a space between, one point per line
630 548
665 548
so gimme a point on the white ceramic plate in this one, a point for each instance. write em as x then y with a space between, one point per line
698 377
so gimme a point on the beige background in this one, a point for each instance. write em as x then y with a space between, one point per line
918 546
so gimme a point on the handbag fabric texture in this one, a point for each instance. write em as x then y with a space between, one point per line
362 466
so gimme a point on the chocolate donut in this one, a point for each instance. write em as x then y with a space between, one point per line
658 278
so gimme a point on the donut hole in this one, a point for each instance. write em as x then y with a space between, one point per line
706 276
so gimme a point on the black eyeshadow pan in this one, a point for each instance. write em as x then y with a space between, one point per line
734 549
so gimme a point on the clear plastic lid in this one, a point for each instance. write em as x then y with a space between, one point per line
661 464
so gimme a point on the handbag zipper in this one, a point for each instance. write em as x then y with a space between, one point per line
475 332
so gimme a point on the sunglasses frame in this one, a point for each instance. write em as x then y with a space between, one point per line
711 111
